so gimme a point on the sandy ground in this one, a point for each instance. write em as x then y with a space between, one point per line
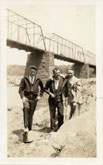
76 137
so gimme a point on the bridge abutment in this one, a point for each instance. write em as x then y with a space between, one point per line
81 70
44 61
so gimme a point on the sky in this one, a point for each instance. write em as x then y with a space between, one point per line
74 22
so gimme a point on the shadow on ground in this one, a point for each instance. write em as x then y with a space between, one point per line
44 130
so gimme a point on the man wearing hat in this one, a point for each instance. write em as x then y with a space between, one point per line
72 91
53 88
29 93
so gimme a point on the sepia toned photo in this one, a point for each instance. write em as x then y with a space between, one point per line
51 80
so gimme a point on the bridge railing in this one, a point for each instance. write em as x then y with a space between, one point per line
24 31
61 46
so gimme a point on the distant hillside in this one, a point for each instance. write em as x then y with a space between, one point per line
15 70
18 70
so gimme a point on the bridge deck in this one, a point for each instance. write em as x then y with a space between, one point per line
27 48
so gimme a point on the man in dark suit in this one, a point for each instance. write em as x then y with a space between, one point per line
53 88
29 93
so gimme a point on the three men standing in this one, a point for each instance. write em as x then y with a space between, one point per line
55 87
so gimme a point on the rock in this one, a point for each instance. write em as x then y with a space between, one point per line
56 141
45 150
84 121
77 136
83 144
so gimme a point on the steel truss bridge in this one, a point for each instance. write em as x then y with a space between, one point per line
27 35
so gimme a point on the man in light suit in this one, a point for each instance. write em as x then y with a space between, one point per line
72 91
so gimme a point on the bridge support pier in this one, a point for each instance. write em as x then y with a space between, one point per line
44 61
81 70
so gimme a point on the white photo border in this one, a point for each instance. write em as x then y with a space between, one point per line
3 95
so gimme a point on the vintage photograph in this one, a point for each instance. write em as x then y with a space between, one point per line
51 80
51 92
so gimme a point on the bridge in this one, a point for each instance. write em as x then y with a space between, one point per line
24 34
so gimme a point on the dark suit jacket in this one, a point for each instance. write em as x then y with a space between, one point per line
50 87
26 88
